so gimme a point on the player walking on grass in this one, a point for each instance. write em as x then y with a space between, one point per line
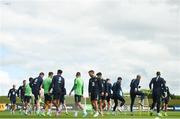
36 88
158 86
78 89
102 92
47 96
93 90
165 100
21 92
117 94
57 87
108 94
28 96
12 94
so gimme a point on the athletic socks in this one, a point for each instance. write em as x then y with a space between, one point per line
75 113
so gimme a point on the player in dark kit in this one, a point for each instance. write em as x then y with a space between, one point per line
102 92
21 92
12 94
117 94
134 90
158 86
93 90
57 87
36 87
165 99
108 93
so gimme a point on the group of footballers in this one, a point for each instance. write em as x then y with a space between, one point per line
100 90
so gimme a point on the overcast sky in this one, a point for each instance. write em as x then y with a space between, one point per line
119 38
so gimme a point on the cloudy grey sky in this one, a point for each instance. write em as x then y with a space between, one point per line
119 38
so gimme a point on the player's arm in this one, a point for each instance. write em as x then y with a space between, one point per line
18 91
90 87
136 83
9 93
31 84
63 84
106 88
131 84
83 88
119 85
168 92
41 83
150 84
100 85
74 87
164 85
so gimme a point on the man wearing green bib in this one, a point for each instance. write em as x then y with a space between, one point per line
78 89
27 96
47 96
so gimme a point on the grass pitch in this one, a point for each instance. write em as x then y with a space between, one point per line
119 115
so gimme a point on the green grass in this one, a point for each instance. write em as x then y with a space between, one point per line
120 115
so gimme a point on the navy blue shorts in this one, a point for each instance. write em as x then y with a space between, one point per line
27 99
56 96
94 96
13 101
165 100
47 97
62 98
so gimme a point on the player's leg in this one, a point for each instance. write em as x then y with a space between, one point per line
95 101
13 105
49 105
81 106
45 106
76 106
122 100
96 108
158 105
101 105
115 104
37 104
92 102
108 103
29 104
165 106
104 103
25 105
64 105
142 96
56 102
153 103
132 96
